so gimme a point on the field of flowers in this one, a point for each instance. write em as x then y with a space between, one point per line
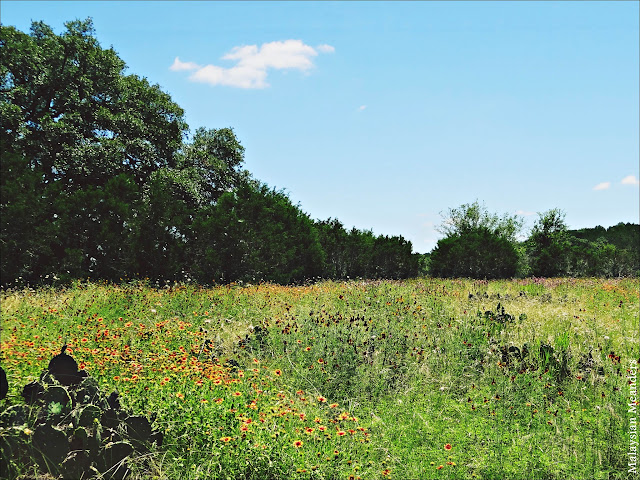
419 379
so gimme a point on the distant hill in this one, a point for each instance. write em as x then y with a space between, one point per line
622 236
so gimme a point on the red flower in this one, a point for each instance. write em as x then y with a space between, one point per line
448 446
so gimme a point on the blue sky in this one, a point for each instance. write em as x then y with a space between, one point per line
386 114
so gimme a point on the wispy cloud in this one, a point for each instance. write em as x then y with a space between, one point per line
324 48
361 108
179 66
524 213
630 180
602 186
252 63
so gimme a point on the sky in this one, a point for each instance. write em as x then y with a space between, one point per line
385 115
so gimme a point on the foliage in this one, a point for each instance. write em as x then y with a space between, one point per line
477 253
548 244
255 233
553 250
68 427
357 253
472 217
603 251
477 244
71 111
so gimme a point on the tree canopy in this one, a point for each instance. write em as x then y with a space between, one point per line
477 244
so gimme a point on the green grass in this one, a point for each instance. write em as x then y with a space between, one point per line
393 371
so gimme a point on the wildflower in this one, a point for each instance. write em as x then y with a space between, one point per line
320 360
386 472
341 433
179 395
307 349
333 405
225 439
278 372
322 428
448 446
297 443
237 394
322 399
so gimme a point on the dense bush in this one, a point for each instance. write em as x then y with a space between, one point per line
478 253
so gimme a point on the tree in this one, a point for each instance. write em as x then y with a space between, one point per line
90 141
255 233
477 253
68 107
548 244
470 217
477 244
215 158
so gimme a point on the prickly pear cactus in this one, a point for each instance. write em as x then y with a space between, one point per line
68 428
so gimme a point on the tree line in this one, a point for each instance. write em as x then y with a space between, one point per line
480 244
101 177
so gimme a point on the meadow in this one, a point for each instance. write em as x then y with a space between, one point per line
415 379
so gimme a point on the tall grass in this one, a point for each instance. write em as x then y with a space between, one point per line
354 379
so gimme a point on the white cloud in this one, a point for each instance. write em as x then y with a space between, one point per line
602 186
178 66
361 108
630 180
253 63
324 48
